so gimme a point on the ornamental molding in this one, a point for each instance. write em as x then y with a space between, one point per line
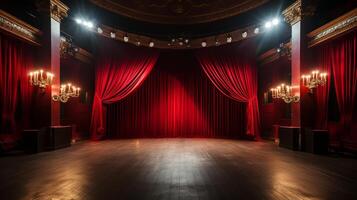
18 28
58 10
335 28
294 13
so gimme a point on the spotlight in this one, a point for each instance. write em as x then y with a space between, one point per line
89 24
186 41
275 21
256 30
151 44
268 24
180 43
79 21
244 34
229 39
217 43
112 35
126 38
204 44
173 40
99 30
138 43
278 50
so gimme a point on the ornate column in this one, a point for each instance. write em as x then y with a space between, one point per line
297 15
53 11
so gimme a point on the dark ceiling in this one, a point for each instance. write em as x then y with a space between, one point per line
326 11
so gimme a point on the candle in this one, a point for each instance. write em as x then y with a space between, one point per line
31 77
41 77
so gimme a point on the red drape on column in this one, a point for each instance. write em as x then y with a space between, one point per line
15 61
117 75
234 74
344 68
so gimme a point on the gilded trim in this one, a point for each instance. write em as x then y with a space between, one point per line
19 28
335 28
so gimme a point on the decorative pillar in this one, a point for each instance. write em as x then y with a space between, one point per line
297 16
53 11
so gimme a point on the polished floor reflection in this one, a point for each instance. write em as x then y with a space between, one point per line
177 169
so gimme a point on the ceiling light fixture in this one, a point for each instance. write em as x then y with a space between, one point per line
229 39
204 44
126 38
99 30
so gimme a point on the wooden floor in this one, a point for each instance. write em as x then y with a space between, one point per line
177 169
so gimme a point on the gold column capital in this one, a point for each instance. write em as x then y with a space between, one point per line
295 12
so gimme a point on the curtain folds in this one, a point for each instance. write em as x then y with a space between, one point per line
15 61
338 57
344 68
117 76
236 77
176 100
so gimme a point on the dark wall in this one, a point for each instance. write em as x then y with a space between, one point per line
77 111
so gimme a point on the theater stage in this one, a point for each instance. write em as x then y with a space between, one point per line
177 169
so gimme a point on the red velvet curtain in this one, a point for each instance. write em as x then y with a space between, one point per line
339 58
344 68
176 100
322 93
15 61
234 74
118 73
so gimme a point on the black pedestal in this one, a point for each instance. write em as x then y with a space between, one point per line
33 140
58 137
289 137
316 141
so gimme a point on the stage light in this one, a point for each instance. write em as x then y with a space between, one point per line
217 43
79 21
126 38
99 30
151 44
204 44
244 34
186 41
180 43
173 40
90 25
138 43
256 30
268 24
112 35
275 21
229 39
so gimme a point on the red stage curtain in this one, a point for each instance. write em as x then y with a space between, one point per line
322 93
15 61
118 73
176 100
234 74
344 68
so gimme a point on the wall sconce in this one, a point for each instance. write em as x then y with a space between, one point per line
314 79
40 79
66 91
284 92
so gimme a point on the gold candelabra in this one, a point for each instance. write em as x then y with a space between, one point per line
314 79
66 91
40 79
284 92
